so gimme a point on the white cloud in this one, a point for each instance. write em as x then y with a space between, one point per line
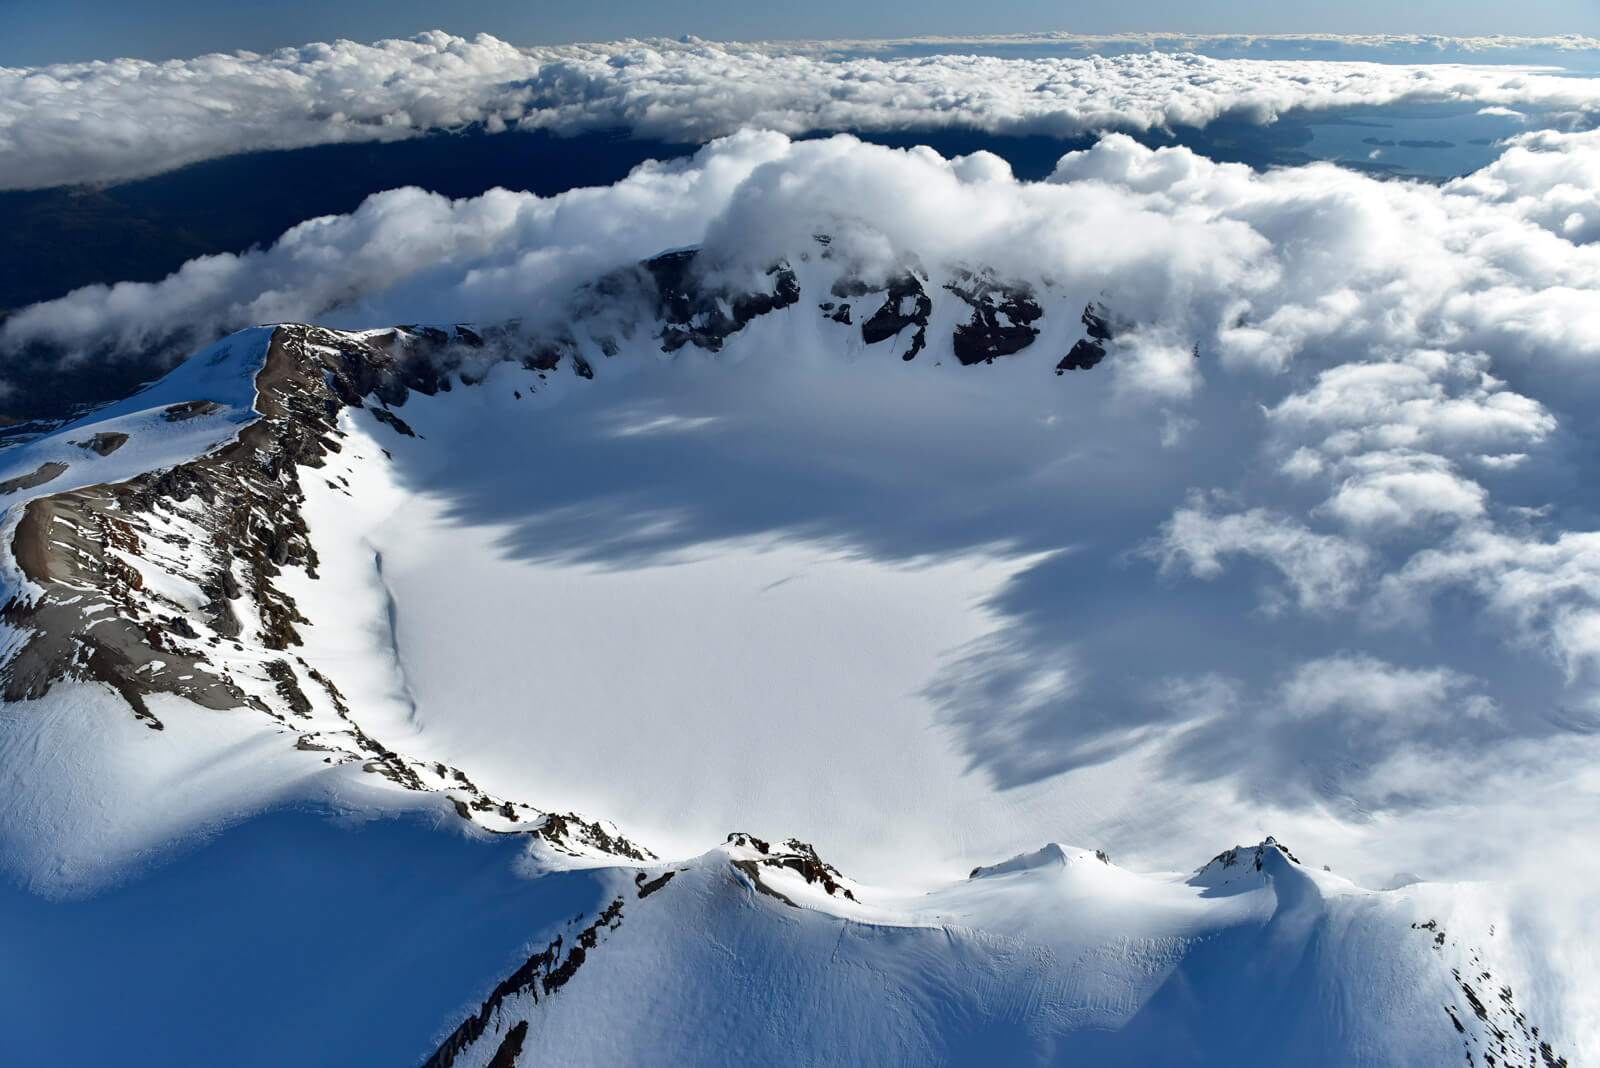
1560 49
1368 693
1322 570
109 120
1391 437
1426 399
407 254
1401 489
1546 588
1540 178
1403 309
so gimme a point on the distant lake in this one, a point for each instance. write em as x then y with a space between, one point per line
1427 142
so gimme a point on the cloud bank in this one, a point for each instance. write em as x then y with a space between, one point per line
107 121
1381 47
1263 268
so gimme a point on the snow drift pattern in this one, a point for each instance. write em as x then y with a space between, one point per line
104 121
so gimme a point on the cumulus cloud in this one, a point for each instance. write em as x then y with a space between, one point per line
1322 570
1401 290
1540 178
1391 437
407 254
1368 693
1424 399
104 121
1546 585
1403 489
1399 312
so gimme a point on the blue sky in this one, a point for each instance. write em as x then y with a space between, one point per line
65 30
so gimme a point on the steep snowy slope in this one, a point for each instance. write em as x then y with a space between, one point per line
1057 957
869 559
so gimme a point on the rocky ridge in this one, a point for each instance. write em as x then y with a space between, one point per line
103 565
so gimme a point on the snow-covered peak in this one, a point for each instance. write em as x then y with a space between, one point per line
1052 854
1049 855
1247 867
792 872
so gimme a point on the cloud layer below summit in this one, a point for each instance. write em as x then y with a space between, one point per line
107 121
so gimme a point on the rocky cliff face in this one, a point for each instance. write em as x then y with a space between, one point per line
105 570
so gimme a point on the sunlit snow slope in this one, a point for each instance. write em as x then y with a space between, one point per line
1057 957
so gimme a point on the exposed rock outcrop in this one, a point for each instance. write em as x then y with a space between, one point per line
905 304
796 856
692 311
1002 318
1090 349
87 613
